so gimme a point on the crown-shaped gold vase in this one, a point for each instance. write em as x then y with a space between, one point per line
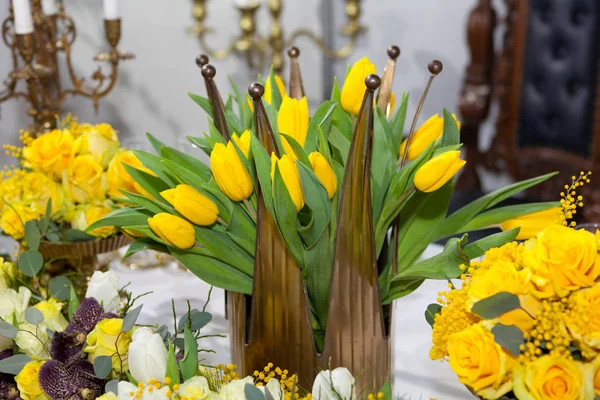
273 325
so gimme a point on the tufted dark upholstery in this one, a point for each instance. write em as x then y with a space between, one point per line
559 81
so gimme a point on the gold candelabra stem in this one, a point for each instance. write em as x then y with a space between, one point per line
253 46
35 59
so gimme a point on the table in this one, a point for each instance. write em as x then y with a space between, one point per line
415 375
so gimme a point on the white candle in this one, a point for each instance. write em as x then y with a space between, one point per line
23 20
111 9
50 7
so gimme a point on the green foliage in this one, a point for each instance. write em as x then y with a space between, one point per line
510 337
189 364
102 366
130 318
431 311
496 305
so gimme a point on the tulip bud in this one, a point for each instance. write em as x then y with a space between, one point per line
533 223
354 85
280 86
193 205
291 177
437 171
293 121
427 133
324 172
230 174
243 141
174 230
147 356
336 384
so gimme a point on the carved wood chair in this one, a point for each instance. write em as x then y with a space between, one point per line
544 79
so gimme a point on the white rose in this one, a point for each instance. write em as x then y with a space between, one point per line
30 340
234 390
128 391
196 388
334 385
147 356
13 304
104 287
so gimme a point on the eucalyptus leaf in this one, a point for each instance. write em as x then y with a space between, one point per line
252 392
13 365
75 235
509 337
60 287
130 318
496 305
31 262
7 330
430 313
102 366
199 319
32 235
112 386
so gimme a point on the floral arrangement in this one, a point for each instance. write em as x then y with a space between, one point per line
523 323
53 347
206 217
72 176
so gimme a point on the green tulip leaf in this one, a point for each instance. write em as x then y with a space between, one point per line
451 135
242 103
60 287
145 244
154 164
189 363
102 366
157 145
202 143
186 161
397 122
383 162
262 162
148 203
222 247
73 303
122 217
152 184
31 262
339 142
204 103
322 118
172 366
336 95
297 149
498 215
496 305
276 96
242 230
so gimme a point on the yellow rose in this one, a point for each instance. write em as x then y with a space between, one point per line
293 121
8 273
229 172
596 375
38 188
480 362
268 84
436 172
93 213
101 142
117 176
505 276
13 218
583 317
50 152
28 382
11 188
551 378
108 396
53 318
354 87
561 260
193 205
107 340
534 223
324 172
174 230
291 177
85 180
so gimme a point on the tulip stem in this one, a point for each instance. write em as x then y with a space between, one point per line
221 221
250 209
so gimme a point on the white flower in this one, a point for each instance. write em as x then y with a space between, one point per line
128 391
30 340
196 388
234 390
13 304
5 343
104 287
147 356
334 385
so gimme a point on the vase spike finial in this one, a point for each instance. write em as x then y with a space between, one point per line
296 88
208 73
387 81
264 132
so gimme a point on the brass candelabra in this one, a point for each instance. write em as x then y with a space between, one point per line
254 47
35 60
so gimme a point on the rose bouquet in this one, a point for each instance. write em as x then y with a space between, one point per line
524 322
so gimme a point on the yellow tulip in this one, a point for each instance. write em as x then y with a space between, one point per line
280 86
243 141
354 86
390 107
230 174
193 205
427 133
174 230
291 177
437 171
324 172
534 223
293 121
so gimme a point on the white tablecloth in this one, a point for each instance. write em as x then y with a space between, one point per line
416 376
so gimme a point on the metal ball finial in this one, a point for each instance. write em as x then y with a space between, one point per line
393 52
208 71
202 60
293 52
373 81
435 67
256 90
